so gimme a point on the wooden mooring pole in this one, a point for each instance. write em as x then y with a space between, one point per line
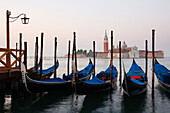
55 49
75 51
111 62
120 64
146 57
76 75
41 55
153 57
94 54
25 54
16 53
68 63
36 55
20 41
73 61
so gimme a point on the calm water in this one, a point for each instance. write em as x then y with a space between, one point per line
116 102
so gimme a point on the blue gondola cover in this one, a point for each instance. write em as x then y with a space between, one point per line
162 73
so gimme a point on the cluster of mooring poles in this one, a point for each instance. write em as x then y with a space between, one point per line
12 72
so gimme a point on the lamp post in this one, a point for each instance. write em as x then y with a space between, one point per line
24 20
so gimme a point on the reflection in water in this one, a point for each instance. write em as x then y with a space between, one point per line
37 102
102 103
94 101
163 93
133 104
2 101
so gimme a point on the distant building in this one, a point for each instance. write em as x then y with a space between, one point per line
158 54
134 53
102 55
126 52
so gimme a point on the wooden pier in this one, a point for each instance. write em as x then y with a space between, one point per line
9 71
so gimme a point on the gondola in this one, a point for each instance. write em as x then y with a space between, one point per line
135 81
99 83
83 75
163 76
37 86
46 73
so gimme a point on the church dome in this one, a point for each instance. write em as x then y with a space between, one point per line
124 45
135 48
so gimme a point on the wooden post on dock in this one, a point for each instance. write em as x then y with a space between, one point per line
8 57
120 64
111 62
16 53
68 63
94 57
25 54
20 41
36 55
153 56
41 56
146 58
55 49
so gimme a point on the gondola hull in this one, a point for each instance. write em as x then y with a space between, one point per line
135 81
36 76
130 88
163 76
36 86
83 75
166 87
46 73
83 88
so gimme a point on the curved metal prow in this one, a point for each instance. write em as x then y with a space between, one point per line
134 60
125 78
23 72
156 62
57 61
90 62
124 68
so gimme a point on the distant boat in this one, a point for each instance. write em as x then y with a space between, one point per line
163 76
99 83
84 74
36 86
135 81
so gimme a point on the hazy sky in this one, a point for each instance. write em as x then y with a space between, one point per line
131 21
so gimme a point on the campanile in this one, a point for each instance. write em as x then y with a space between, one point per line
105 42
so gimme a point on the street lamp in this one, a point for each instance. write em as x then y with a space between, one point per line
24 20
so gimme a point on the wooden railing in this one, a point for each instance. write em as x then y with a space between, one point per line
8 65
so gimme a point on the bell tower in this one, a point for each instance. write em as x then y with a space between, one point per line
105 42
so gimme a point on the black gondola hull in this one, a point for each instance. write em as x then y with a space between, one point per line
83 88
130 88
164 86
35 75
36 87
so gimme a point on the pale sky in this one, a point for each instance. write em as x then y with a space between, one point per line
131 21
